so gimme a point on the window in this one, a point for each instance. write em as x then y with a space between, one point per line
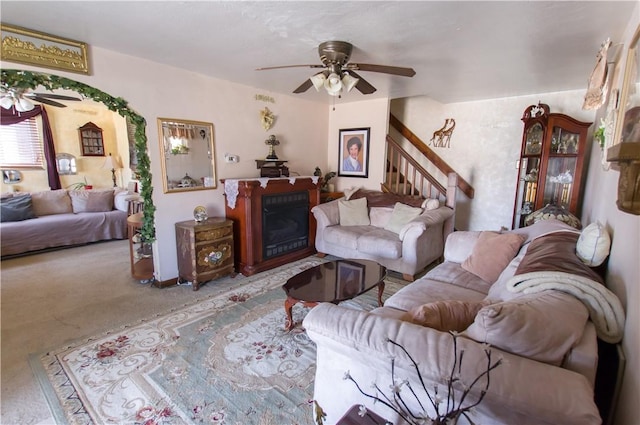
21 145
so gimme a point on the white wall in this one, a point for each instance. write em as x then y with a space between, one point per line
485 147
623 270
373 114
154 90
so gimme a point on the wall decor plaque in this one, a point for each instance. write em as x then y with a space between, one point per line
31 47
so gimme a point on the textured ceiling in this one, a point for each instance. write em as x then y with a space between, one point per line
461 51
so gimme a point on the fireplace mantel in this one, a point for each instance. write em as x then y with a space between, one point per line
244 206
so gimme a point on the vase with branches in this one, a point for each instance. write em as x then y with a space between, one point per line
448 406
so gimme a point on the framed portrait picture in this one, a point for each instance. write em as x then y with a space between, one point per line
350 279
353 154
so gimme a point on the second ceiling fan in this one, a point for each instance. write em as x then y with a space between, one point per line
340 74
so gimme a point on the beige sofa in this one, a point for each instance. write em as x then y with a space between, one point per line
546 336
59 218
404 238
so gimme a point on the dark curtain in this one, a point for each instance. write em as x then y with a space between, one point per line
11 116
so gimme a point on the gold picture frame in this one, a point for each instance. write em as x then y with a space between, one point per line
31 47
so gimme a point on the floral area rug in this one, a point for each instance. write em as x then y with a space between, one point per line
223 360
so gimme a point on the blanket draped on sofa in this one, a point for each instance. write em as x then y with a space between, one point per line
548 264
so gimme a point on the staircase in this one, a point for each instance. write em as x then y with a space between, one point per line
405 175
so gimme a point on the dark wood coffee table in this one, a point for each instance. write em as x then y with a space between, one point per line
333 282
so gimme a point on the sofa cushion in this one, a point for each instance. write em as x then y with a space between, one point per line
454 274
16 208
542 326
425 290
450 315
430 204
401 215
380 243
377 198
593 244
492 253
354 213
51 202
91 200
380 216
345 236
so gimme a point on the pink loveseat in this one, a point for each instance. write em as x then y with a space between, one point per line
546 334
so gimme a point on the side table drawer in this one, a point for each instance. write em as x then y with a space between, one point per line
214 255
203 235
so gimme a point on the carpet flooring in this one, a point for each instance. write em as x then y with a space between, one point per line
50 305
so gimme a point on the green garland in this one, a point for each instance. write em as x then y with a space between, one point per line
15 78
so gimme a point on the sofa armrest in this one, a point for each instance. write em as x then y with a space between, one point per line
357 341
327 214
459 245
424 220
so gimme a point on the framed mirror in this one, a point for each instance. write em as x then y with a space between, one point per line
11 176
188 155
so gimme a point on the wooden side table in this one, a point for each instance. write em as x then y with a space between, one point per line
205 250
140 253
330 196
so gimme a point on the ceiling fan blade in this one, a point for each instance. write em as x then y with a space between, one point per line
304 86
47 101
53 96
267 68
363 85
386 69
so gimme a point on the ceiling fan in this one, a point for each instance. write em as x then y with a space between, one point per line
23 99
340 74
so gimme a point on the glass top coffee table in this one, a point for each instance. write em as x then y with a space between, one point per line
333 282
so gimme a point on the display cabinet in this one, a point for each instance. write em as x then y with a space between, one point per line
552 163
91 142
205 250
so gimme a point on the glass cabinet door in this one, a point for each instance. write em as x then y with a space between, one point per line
561 168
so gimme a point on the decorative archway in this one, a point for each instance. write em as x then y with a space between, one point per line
31 80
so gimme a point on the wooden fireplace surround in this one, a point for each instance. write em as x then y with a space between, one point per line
247 220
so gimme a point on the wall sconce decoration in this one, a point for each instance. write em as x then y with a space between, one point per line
267 119
626 149
442 137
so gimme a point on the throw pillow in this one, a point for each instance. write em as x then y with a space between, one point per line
450 315
349 192
50 202
354 213
492 253
380 216
91 200
593 244
16 208
401 215
430 204
542 326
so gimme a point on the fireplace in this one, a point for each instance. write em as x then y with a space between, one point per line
272 220
285 223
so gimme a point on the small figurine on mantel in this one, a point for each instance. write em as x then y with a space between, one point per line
272 141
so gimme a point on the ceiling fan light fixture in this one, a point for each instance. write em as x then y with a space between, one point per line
24 105
6 102
333 84
349 82
318 81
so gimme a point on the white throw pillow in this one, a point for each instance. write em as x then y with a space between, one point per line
401 215
593 244
353 213
430 204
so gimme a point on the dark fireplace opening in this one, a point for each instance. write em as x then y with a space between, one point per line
285 223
